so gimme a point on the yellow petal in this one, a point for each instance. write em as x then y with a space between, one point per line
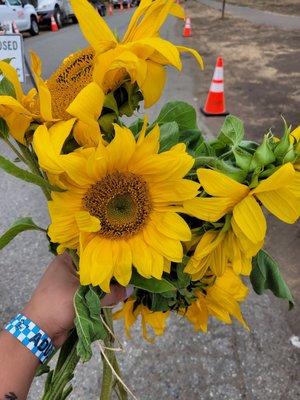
208 209
282 203
93 27
141 256
18 125
102 262
281 178
250 219
48 158
44 93
195 53
155 73
164 48
59 133
86 222
123 262
11 74
85 135
14 105
173 192
169 248
218 184
157 264
87 105
117 157
171 225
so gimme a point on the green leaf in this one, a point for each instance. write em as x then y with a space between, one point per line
7 88
192 138
88 323
136 126
10 168
4 130
21 225
266 275
232 131
110 103
169 135
180 112
151 285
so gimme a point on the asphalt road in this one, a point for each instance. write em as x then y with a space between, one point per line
288 22
226 364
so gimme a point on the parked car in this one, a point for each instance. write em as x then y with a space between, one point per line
24 15
100 7
61 10
116 3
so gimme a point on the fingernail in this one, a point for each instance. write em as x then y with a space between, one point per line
129 290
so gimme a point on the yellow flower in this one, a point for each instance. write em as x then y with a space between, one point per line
155 319
229 196
220 301
217 250
69 92
141 55
120 203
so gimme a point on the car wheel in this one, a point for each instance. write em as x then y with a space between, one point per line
34 26
74 20
58 17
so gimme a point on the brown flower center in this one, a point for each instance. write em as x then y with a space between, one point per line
122 202
69 79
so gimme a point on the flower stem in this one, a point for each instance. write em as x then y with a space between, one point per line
107 375
58 382
111 368
15 150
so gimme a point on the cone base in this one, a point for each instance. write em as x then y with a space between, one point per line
207 114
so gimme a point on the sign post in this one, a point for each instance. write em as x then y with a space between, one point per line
11 47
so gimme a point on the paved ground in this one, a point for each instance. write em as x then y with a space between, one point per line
258 16
226 364
289 7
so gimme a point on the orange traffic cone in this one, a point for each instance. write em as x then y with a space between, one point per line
110 10
15 28
128 5
215 102
187 30
121 5
54 27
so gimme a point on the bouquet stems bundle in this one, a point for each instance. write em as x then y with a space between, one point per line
152 204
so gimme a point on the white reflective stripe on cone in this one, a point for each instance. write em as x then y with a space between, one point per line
217 87
218 74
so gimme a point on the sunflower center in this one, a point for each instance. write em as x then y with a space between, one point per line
122 202
69 79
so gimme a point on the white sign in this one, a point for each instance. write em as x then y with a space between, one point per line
11 47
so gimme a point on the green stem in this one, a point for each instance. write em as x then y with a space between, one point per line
15 150
58 384
109 382
107 375
33 166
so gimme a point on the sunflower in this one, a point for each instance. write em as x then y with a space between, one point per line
228 196
120 203
141 55
155 319
219 248
220 301
69 92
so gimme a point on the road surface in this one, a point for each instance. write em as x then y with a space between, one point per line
226 364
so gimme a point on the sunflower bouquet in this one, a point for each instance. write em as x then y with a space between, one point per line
152 204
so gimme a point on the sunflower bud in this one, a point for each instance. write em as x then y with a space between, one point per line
264 154
244 160
106 123
283 147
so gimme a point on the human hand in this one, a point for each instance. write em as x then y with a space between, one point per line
51 305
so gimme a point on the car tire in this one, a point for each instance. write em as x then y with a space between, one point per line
102 12
74 20
58 17
34 26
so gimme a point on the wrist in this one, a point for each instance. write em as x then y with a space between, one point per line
40 318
